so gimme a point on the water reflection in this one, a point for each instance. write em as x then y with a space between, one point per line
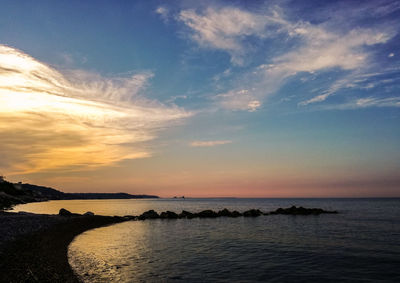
358 243
123 207
101 207
346 247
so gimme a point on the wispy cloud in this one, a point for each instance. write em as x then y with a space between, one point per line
367 102
355 80
241 99
337 85
209 143
225 28
306 47
163 12
323 49
63 120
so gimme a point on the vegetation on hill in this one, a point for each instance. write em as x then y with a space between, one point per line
11 194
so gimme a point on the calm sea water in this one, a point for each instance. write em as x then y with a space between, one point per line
360 244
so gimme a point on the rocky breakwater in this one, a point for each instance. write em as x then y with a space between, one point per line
293 210
151 214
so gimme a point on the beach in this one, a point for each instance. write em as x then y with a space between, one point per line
33 248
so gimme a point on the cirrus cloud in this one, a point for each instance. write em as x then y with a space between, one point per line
73 119
306 46
226 28
209 143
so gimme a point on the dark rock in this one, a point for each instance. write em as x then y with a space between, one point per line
186 214
280 211
252 213
225 212
293 210
88 213
168 215
26 213
236 213
151 214
64 212
207 214
130 217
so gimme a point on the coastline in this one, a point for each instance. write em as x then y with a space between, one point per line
34 247
40 254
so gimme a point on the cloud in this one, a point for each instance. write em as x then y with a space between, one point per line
238 100
225 28
305 47
315 99
367 102
228 28
174 98
322 49
68 59
73 119
337 85
356 80
209 143
163 12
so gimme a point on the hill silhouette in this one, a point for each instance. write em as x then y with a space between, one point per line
12 194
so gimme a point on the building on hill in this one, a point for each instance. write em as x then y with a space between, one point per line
2 179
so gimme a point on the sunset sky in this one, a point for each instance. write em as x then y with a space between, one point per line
202 98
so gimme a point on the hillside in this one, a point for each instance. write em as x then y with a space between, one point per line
12 194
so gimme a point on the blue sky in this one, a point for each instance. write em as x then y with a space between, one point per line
217 98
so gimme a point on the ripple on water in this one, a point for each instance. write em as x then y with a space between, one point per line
340 247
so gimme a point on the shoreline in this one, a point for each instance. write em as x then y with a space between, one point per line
41 255
34 247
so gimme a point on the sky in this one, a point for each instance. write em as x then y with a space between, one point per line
202 98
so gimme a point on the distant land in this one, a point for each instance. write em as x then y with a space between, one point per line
18 193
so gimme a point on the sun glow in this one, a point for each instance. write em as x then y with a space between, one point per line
73 120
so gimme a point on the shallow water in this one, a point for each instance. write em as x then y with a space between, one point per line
358 244
123 207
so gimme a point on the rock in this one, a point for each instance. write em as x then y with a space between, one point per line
130 217
207 214
252 213
280 211
293 210
26 213
64 212
151 214
88 213
236 213
186 214
225 212
168 215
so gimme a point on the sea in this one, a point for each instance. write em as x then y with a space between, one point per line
359 244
